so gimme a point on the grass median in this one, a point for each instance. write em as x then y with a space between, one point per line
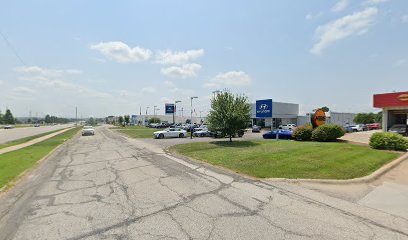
26 139
137 131
12 164
290 159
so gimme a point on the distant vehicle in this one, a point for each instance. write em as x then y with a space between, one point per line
399 128
170 133
359 128
202 132
8 127
219 134
256 128
282 134
287 127
153 125
88 130
36 125
350 128
373 126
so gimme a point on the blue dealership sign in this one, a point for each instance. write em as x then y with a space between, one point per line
169 108
264 108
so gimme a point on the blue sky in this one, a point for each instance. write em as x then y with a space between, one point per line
111 57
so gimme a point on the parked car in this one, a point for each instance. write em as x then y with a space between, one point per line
170 133
282 134
202 132
37 125
359 128
399 128
8 127
219 134
350 128
88 130
287 127
256 128
153 125
373 126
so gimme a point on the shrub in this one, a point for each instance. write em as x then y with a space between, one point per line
303 133
388 141
154 120
328 133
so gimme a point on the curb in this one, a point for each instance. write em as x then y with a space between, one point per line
21 176
366 179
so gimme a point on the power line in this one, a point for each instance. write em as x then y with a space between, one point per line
12 48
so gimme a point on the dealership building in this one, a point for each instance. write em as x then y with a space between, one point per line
269 113
394 108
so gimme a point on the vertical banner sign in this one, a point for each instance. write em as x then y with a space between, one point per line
318 118
264 108
169 108
134 119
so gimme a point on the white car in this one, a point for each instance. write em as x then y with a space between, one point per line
202 132
88 130
170 133
287 127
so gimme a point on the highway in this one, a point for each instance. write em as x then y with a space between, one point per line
7 135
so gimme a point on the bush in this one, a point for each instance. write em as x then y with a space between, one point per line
154 120
388 141
328 133
303 133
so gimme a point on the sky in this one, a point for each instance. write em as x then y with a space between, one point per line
115 57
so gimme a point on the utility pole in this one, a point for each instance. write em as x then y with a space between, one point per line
191 117
76 116
154 110
174 111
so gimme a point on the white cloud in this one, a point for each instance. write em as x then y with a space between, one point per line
121 52
374 2
47 72
1 82
354 24
148 90
311 16
184 71
169 83
166 100
177 58
66 86
404 18
233 78
23 90
340 6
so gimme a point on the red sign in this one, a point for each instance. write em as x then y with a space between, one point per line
399 99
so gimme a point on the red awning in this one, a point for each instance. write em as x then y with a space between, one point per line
399 99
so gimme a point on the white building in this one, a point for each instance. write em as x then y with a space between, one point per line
282 113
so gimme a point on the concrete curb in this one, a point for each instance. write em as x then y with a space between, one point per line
21 176
366 179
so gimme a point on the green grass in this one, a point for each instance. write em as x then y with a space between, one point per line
290 159
26 139
12 164
137 131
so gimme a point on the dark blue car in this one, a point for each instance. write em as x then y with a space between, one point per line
282 134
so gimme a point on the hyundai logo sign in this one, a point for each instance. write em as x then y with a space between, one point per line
264 108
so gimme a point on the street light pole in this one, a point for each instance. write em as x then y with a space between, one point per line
154 110
174 111
191 117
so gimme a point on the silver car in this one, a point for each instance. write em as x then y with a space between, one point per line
88 130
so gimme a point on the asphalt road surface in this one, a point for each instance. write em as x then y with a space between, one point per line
109 187
7 135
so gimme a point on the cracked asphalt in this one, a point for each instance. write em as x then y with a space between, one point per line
109 187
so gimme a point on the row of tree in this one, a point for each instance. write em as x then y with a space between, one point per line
366 118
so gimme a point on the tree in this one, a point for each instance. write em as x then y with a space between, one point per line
364 118
8 117
325 109
154 120
229 114
47 119
120 120
1 118
127 119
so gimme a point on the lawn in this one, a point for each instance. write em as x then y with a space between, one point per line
290 159
137 131
12 164
26 139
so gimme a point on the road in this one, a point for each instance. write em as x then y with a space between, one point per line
109 187
7 135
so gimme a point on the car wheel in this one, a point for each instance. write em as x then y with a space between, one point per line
161 136
181 135
202 135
